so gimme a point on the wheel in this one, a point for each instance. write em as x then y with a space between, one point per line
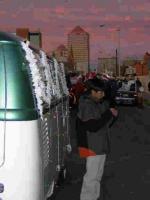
60 181
61 177
64 176
51 190
56 189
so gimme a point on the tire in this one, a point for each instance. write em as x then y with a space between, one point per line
55 192
61 177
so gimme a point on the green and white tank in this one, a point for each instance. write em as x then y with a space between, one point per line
17 101
33 120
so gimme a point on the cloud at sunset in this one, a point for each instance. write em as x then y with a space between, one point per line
56 18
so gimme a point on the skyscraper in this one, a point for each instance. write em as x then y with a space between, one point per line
61 53
78 43
23 32
35 37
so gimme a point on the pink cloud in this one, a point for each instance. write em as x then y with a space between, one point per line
52 42
60 10
135 29
14 16
124 8
113 29
48 14
145 7
113 18
96 10
2 12
41 14
128 18
136 36
147 18
57 20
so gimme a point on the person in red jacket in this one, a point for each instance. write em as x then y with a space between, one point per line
93 119
78 89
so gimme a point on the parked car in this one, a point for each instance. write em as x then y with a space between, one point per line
127 93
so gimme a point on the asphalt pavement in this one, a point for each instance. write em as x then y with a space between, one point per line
127 169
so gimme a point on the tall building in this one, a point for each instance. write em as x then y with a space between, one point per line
129 61
78 40
141 69
71 62
35 37
61 53
107 65
140 65
147 60
23 32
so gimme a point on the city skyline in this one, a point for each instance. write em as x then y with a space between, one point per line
56 18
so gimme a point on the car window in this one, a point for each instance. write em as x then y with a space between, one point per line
132 87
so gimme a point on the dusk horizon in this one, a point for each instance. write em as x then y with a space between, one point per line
56 18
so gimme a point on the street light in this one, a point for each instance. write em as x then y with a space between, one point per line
118 30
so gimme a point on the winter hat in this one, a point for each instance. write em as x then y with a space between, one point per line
95 84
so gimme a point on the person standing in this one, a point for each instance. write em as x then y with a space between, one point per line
140 91
149 86
93 119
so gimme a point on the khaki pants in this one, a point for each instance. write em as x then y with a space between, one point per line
91 181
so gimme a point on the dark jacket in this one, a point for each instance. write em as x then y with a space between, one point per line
110 92
92 123
149 86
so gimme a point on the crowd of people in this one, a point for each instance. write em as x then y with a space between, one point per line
94 97
76 86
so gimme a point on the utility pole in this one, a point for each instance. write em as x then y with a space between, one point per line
116 62
118 51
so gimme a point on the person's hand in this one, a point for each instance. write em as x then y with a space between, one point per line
114 112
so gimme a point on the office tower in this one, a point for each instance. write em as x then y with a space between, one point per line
78 43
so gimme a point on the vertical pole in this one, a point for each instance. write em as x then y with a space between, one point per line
118 51
116 62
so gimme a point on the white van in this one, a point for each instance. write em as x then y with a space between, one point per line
33 120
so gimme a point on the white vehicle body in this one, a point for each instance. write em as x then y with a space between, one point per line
33 136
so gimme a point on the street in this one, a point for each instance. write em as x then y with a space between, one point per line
127 169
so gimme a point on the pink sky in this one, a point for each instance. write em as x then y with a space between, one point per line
55 18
